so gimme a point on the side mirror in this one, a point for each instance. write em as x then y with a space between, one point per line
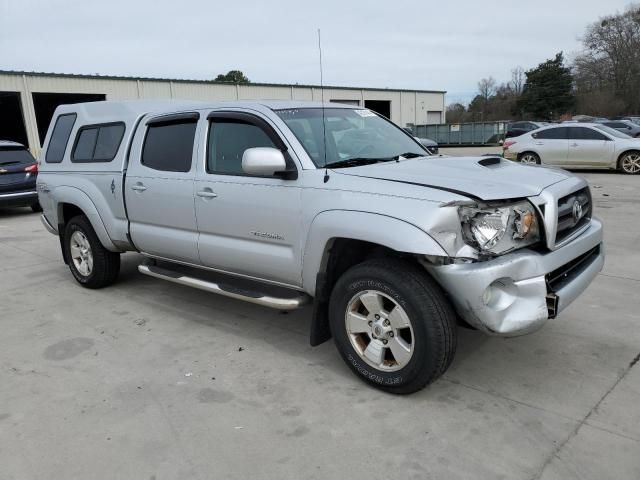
263 161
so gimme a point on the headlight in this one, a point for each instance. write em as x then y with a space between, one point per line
500 229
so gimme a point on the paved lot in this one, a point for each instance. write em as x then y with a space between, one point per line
148 380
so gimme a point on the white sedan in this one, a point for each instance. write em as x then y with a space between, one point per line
579 145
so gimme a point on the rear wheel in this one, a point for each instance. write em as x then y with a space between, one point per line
529 158
92 265
629 163
392 325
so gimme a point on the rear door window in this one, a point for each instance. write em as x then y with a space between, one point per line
168 145
60 138
98 143
559 133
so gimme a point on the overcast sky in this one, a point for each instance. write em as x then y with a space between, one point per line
421 44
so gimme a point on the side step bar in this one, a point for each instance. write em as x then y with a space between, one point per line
288 303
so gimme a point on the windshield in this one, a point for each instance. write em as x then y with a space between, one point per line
350 134
611 131
12 156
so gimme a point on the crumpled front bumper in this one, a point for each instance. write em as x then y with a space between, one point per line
517 293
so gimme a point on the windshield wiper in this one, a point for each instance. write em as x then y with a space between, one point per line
356 161
410 155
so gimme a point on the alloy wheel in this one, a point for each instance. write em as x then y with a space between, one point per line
631 163
379 330
81 253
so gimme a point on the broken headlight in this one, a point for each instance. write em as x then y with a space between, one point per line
500 229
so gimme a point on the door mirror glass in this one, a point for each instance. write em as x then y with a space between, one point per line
263 161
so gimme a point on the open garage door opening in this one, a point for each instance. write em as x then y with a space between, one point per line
45 104
11 119
383 107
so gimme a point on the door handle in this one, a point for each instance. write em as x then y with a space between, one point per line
575 145
138 187
539 143
206 194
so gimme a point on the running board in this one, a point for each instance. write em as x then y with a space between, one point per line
226 290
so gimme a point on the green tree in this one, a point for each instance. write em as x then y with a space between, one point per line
232 76
548 90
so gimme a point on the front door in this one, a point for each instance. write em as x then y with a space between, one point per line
588 147
249 225
159 189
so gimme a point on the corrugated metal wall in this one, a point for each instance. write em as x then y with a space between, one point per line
407 107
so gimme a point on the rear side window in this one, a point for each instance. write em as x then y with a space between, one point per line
559 133
15 156
98 143
168 145
60 137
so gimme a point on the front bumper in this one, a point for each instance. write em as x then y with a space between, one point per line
18 199
518 292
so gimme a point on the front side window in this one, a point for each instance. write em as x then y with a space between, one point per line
60 138
584 133
168 145
351 134
228 140
612 132
559 133
98 143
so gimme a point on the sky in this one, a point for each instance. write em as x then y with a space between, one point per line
412 44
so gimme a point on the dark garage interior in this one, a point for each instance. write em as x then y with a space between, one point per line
383 107
11 119
45 104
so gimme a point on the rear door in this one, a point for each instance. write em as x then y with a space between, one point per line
589 148
249 225
159 188
552 145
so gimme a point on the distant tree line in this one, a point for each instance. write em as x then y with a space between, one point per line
603 80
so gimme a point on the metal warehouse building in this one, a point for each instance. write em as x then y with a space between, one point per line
28 99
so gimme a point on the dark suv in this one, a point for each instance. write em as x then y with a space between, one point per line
18 172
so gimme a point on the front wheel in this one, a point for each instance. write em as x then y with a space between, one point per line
392 325
529 158
630 163
92 265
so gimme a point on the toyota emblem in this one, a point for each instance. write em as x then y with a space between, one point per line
577 211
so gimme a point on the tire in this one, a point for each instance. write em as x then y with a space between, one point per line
431 336
629 163
92 265
529 158
35 207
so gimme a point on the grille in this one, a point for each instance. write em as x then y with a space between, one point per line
568 223
563 275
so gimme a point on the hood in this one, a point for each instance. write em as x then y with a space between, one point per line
485 178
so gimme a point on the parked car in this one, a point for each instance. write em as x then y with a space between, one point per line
430 145
624 126
391 246
18 173
516 129
635 120
577 145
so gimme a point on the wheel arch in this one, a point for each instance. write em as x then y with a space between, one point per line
71 202
340 239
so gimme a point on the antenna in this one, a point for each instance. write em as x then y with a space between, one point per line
324 126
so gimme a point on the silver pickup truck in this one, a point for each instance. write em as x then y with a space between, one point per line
288 203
